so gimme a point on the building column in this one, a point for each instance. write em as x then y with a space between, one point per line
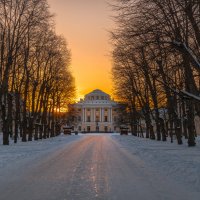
108 114
93 114
85 114
111 115
90 114
83 118
100 114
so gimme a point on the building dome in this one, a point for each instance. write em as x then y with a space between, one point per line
97 95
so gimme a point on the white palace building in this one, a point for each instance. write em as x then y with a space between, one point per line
96 113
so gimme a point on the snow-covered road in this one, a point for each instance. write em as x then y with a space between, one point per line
102 167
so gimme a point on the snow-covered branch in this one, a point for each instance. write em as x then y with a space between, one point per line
189 52
188 94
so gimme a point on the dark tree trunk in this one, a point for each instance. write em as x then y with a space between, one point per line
41 131
190 87
152 134
5 126
191 129
162 129
36 132
30 129
17 115
178 130
9 115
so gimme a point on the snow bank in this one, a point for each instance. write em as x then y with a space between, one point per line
179 162
21 152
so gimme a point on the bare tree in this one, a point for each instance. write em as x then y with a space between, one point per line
159 42
35 79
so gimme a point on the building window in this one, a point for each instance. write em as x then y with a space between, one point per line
79 128
106 129
102 98
88 110
97 109
97 118
73 118
88 129
106 109
79 109
97 97
88 119
105 118
79 118
115 119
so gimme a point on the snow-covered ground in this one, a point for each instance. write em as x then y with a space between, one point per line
25 151
179 162
102 167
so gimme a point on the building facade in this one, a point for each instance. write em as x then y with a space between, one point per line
97 112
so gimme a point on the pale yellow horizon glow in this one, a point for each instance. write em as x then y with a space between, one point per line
85 25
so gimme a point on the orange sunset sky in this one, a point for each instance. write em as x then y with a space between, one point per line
85 25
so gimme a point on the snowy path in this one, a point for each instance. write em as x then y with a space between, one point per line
90 167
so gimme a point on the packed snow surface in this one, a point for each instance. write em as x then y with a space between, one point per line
102 167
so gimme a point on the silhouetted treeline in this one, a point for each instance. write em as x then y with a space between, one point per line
157 65
35 80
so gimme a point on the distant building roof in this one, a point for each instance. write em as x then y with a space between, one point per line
97 97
